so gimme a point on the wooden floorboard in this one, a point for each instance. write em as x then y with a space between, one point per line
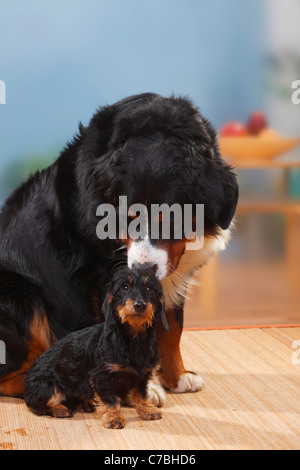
251 400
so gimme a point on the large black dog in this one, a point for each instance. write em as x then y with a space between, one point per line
54 270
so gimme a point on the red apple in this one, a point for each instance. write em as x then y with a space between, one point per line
257 123
233 129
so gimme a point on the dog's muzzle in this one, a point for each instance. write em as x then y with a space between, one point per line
142 251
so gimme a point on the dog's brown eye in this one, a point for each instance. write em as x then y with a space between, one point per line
124 288
149 288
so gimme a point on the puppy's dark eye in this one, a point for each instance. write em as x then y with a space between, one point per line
149 288
124 288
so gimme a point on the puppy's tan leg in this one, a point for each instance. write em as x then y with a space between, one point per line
145 409
111 416
56 408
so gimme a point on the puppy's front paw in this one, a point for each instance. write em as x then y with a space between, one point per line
114 423
145 409
150 413
189 382
110 415
61 411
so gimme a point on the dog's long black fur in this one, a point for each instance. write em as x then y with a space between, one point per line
53 268
108 360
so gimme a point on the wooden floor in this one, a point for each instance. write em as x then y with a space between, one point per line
251 400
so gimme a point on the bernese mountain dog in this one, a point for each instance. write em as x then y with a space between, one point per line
55 271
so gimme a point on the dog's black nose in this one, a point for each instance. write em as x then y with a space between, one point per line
139 307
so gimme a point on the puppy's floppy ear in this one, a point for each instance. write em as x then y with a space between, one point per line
106 306
163 316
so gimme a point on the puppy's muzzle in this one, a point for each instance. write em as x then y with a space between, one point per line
139 307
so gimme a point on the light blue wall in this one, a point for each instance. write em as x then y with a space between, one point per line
61 59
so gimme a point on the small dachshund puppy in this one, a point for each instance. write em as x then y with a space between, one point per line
105 363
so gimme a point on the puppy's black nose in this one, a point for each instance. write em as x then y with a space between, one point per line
139 307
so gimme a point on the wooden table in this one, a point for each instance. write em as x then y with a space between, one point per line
287 206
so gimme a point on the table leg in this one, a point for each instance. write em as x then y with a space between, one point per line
208 292
293 249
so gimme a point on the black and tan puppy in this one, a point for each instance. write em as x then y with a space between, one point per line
102 364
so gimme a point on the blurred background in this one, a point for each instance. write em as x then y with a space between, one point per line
61 60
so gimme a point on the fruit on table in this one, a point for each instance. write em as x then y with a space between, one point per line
233 129
257 123
268 133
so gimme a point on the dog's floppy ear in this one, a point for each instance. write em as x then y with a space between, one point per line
105 131
213 184
163 316
106 306
221 194
99 145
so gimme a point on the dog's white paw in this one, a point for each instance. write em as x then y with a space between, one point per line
189 382
156 393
